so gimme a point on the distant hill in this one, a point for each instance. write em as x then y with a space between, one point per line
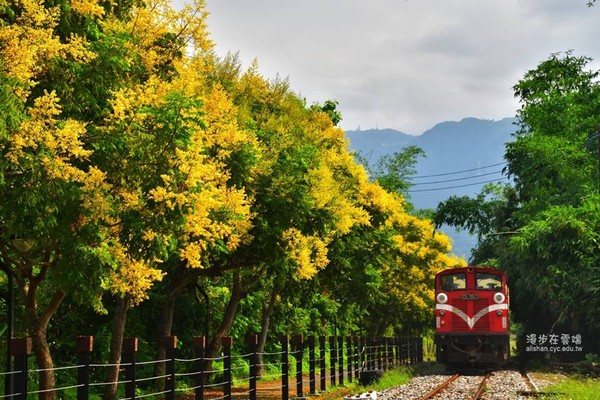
460 156
374 143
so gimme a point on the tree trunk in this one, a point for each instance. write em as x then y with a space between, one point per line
180 279
165 329
38 330
267 309
236 297
116 348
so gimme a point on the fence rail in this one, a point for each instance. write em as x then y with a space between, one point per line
349 357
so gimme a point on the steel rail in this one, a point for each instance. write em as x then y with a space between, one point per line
529 381
535 391
440 387
481 387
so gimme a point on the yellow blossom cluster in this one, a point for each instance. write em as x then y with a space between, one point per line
87 7
307 252
222 130
164 34
28 45
201 228
132 277
58 142
331 191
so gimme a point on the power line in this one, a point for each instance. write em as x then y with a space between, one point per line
458 179
459 172
458 186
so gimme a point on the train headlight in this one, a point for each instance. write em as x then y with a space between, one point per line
499 298
442 298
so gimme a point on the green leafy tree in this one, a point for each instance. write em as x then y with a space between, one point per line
329 107
393 172
541 228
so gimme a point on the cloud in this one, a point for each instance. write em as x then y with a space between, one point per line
404 64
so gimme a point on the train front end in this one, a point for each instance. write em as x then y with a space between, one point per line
471 316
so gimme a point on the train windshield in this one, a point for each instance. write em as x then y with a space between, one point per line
452 282
487 281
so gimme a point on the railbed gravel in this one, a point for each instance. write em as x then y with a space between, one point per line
501 385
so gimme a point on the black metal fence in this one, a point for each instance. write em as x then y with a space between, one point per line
315 360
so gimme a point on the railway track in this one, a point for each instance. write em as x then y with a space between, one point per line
464 390
499 385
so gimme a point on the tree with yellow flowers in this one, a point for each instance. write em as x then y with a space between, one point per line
106 178
134 163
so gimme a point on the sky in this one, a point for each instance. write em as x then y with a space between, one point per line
404 64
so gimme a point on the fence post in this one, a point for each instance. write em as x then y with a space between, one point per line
199 346
299 342
356 341
371 353
340 360
322 352
390 352
252 349
349 357
379 352
366 342
312 376
363 352
383 352
130 347
332 359
84 346
285 370
393 350
399 344
413 350
20 349
227 343
170 346
419 349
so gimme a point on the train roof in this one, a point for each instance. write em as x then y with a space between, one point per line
471 268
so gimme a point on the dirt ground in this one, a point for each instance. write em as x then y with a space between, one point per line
273 390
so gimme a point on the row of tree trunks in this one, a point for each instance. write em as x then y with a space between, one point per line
178 283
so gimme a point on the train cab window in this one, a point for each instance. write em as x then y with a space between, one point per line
452 282
487 281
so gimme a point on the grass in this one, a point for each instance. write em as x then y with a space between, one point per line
575 387
397 376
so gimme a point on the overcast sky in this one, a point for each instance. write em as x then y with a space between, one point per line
404 64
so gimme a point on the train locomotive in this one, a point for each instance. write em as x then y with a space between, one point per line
472 318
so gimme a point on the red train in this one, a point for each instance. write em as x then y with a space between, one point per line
471 317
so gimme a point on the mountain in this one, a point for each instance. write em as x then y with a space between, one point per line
461 156
374 143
